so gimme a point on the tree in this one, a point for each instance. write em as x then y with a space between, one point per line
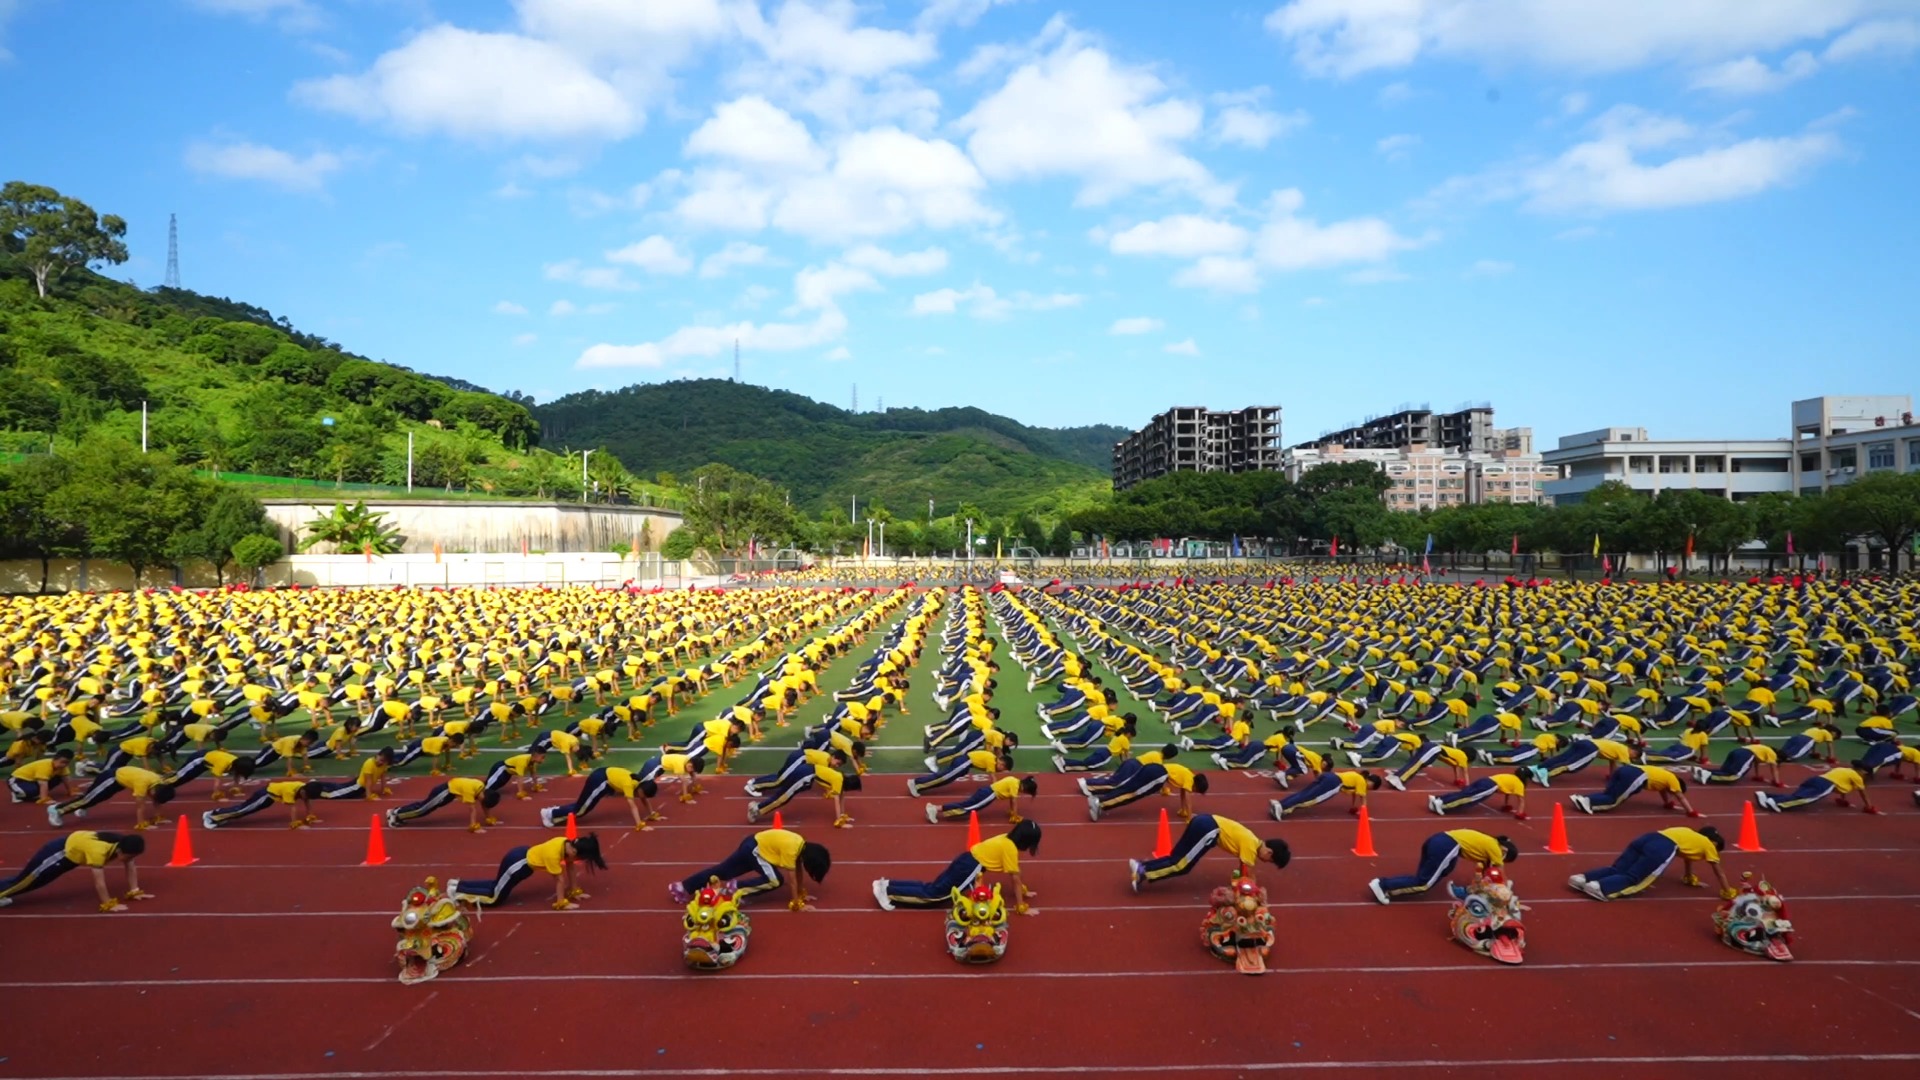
53 233
731 507
352 529
251 553
231 516
27 530
131 507
1882 505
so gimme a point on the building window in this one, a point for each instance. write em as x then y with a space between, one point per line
1913 453
1842 459
1880 456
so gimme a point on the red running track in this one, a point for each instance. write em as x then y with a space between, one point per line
271 958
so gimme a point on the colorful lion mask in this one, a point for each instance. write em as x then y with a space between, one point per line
1486 917
1239 928
977 925
1756 921
434 933
716 929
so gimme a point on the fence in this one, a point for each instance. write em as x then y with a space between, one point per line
596 569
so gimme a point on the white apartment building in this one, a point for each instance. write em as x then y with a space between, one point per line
1427 478
1735 469
1838 439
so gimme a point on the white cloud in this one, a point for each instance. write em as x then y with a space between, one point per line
253 161
1888 37
821 36
1183 348
1076 112
525 339
593 277
292 15
753 131
511 190
1220 273
659 32
939 14
508 307
1575 103
1290 242
1182 236
737 253
880 181
1608 173
1396 93
479 86
753 296
1751 75
1397 148
820 288
655 255
562 308
839 352
1314 302
1375 275
1578 232
1242 123
982 302
1343 38
905 264
1489 268
1139 324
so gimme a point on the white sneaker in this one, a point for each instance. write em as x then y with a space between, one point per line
1433 804
1593 890
1581 803
1278 812
933 814
546 816
913 789
1379 893
53 816
1136 873
1396 782
933 765
1354 756
1093 807
1577 880
1280 777
1220 760
206 820
393 820
1060 762
880 895
1083 786
1766 801
753 813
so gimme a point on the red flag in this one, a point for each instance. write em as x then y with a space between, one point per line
1789 542
1689 545
1424 567
1335 552
1606 564
1516 543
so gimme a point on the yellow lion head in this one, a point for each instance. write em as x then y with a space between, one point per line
434 933
977 925
716 929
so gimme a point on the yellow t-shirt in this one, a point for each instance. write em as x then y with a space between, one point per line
1178 775
286 791
623 781
1508 784
1353 783
1846 781
1478 846
466 788
35 771
1692 845
549 855
781 847
1238 840
219 761
87 849
997 854
1006 787
138 782
1659 779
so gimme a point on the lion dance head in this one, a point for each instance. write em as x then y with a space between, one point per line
1755 920
716 929
434 931
977 925
1239 927
1486 917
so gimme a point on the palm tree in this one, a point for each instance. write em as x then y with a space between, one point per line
353 528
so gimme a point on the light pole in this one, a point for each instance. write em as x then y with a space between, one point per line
929 511
584 455
969 543
883 539
409 461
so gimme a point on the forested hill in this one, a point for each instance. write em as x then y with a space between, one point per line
825 454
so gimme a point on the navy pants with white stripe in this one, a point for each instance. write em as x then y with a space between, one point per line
255 803
960 874
103 788
1437 858
981 798
1141 784
438 797
591 792
1198 838
1324 787
1637 867
1626 780
788 792
490 889
1810 791
1096 760
754 873
1571 760
1119 777
43 867
794 763
946 774
1734 767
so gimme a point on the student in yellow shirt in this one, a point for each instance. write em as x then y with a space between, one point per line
1648 856
229 772
556 857
93 850
1629 779
370 783
1324 787
762 863
475 793
1511 787
601 783
1203 834
1166 777
1010 788
522 770
994 855
1742 760
149 791
1439 855
297 795
828 770
1841 782
36 781
438 748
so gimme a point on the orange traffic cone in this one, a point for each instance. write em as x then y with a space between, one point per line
777 822
973 827
1363 841
376 844
1557 837
1749 830
573 828
1163 840
182 845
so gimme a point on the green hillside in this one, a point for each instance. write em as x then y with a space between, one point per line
899 458
232 389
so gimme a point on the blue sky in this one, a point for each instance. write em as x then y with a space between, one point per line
1679 215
